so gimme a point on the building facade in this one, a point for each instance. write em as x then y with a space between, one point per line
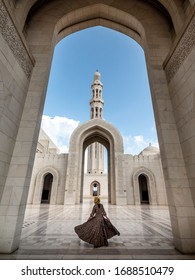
141 175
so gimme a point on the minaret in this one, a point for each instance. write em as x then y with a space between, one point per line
96 102
95 163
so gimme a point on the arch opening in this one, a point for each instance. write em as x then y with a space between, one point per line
47 188
95 189
143 188
96 176
95 130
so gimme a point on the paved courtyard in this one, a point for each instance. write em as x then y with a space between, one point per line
48 233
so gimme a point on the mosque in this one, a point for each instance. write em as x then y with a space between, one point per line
29 32
128 180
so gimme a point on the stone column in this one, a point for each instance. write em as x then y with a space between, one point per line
15 191
71 189
173 107
180 71
121 195
16 65
16 188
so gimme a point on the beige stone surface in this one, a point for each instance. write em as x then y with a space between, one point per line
28 36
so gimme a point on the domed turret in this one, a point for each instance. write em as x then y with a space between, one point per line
97 75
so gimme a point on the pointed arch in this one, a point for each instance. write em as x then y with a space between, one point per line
173 10
98 187
99 15
40 181
150 182
95 130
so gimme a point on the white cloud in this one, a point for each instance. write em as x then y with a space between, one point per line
139 140
135 144
59 129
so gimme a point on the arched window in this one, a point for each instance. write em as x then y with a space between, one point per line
143 188
92 113
95 189
96 110
47 186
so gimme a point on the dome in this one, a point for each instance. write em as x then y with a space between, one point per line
97 75
97 79
150 150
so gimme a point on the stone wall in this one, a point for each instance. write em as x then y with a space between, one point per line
47 161
102 179
44 164
145 165
15 69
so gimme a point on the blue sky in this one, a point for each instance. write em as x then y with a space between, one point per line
126 92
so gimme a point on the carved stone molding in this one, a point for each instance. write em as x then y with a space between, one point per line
181 52
11 36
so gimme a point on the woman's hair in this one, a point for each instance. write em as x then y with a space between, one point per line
96 200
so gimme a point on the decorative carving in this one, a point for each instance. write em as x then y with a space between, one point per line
182 50
11 36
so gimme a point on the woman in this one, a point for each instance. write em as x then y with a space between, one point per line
98 229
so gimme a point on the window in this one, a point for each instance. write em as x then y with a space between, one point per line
92 113
100 112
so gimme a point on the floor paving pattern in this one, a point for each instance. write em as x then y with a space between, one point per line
48 233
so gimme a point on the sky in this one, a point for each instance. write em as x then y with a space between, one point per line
126 92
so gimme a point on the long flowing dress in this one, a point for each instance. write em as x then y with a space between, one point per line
98 229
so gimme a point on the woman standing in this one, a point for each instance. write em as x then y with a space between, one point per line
98 229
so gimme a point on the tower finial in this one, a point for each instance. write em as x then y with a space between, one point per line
97 75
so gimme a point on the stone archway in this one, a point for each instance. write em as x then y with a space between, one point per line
151 185
40 182
166 33
95 188
95 130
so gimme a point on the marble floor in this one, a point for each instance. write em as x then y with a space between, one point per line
48 233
